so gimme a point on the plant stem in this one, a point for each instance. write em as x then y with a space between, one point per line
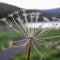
29 50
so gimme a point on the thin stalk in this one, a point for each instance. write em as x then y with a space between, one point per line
29 50
51 37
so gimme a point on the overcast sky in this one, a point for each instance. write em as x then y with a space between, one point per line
34 4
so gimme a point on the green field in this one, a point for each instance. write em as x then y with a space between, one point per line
5 37
51 54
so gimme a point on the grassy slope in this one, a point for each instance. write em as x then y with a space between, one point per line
6 37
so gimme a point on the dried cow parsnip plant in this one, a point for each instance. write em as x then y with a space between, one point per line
32 32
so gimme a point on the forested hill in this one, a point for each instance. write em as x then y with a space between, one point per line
5 9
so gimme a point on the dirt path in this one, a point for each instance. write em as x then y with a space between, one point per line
8 54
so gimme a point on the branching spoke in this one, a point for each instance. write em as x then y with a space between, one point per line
22 24
23 45
15 22
47 30
32 18
33 29
25 15
31 26
12 46
43 31
19 26
36 20
37 30
20 40
43 44
15 30
37 49
50 37
40 40
12 27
